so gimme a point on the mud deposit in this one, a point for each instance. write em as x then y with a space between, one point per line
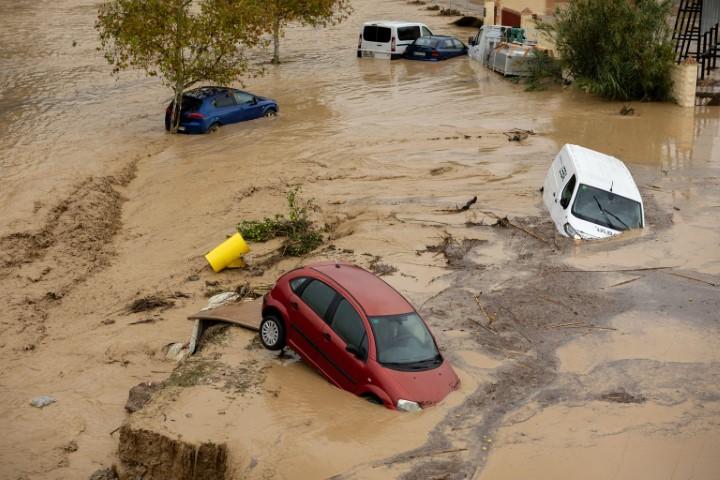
577 360
151 455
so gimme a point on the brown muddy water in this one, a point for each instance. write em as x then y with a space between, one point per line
101 207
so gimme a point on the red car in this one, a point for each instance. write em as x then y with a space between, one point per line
359 332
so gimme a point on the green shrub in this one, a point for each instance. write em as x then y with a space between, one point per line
618 49
301 235
544 70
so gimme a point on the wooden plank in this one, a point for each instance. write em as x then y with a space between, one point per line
244 314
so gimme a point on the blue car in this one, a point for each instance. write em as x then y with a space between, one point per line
435 47
206 109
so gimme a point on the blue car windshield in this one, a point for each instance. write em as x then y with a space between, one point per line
404 341
607 209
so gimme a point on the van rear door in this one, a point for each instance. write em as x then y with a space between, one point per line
376 39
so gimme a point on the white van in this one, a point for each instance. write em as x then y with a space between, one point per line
389 39
502 49
591 195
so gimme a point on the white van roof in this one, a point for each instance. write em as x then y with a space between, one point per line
394 23
602 171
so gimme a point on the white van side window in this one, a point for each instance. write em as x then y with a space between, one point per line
408 33
426 32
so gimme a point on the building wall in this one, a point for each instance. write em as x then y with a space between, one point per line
684 78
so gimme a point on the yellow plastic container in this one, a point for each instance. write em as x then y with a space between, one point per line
228 253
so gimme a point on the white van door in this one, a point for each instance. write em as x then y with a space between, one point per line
406 36
376 41
558 190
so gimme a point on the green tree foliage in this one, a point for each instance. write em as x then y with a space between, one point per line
183 42
309 12
618 49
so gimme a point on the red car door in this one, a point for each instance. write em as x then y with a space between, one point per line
346 343
308 310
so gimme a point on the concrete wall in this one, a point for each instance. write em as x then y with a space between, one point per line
529 24
684 78
489 13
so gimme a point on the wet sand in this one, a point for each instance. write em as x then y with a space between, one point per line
383 148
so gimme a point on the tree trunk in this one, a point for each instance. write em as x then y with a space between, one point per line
179 80
276 41
177 105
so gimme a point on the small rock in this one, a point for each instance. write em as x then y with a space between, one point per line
621 396
108 321
54 295
71 447
104 474
42 401
193 278
140 395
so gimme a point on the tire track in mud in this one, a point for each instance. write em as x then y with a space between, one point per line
40 268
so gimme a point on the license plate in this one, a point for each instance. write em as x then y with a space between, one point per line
365 53
419 54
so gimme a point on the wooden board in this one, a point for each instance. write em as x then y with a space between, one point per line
245 314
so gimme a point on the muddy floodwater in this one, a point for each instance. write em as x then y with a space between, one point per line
577 360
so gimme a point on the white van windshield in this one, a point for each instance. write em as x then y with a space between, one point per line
607 209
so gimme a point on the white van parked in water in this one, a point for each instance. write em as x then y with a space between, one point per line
591 195
389 39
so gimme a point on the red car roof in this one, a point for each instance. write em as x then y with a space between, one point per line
376 297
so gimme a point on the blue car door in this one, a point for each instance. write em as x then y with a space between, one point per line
225 110
446 48
247 106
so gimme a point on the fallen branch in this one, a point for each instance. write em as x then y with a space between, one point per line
596 327
426 222
146 320
646 269
518 134
555 301
464 208
624 283
563 325
490 318
688 277
505 222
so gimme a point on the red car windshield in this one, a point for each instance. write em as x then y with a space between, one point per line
403 341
